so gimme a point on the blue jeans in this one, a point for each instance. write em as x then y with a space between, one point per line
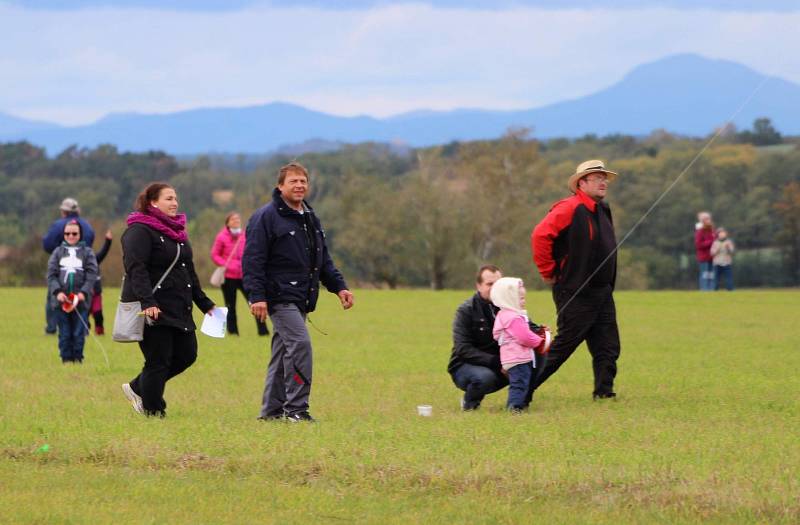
724 273
71 333
706 277
477 381
520 380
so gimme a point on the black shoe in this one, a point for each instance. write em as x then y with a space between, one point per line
274 417
465 407
160 414
48 331
606 395
300 417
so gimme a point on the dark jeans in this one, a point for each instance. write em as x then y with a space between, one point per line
50 315
167 352
724 273
520 378
477 381
229 288
591 316
71 333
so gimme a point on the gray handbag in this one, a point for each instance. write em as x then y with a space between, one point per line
129 319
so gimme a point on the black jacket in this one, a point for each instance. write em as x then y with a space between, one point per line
146 255
473 342
285 257
101 255
572 241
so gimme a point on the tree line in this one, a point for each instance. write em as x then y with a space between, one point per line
430 216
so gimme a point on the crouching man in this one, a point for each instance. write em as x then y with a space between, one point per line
475 361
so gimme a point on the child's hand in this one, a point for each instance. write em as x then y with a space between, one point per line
61 297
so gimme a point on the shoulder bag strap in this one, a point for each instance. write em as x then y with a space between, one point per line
235 245
177 255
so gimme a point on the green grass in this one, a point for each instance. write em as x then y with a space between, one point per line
705 428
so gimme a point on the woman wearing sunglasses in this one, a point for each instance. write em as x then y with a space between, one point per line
71 273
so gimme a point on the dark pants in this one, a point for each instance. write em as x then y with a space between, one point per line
71 333
50 315
723 273
591 316
477 381
167 352
229 288
520 379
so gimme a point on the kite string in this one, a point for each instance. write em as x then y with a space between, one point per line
708 143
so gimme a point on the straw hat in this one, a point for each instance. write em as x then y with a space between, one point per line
584 169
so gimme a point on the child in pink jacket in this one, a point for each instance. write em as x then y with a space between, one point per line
517 341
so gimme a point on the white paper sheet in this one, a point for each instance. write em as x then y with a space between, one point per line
214 324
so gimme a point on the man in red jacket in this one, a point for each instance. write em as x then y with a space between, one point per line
574 248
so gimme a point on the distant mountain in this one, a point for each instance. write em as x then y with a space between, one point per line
685 94
17 126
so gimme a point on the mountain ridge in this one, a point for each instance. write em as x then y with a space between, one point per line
686 94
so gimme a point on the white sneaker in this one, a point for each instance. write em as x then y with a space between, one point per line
134 398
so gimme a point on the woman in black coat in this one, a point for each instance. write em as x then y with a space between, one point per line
156 232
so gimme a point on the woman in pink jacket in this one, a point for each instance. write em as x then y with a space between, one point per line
516 340
227 251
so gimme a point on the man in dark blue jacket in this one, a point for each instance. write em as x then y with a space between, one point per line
285 260
53 239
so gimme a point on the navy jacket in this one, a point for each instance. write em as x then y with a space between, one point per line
285 257
55 234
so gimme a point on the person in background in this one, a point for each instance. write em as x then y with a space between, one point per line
703 239
722 252
156 245
71 274
54 238
227 252
97 296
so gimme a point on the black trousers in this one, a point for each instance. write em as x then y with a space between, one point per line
592 317
167 352
229 288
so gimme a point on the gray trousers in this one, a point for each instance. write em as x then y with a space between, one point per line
288 383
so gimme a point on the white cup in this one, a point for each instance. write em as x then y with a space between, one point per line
425 410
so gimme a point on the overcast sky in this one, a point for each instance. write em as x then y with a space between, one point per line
72 62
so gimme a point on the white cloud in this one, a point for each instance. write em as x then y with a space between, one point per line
73 66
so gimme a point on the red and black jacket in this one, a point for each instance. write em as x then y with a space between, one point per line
571 242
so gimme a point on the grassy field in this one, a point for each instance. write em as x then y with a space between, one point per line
705 428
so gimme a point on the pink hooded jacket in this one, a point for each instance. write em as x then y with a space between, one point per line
223 246
511 329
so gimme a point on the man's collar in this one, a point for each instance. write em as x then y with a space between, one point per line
586 200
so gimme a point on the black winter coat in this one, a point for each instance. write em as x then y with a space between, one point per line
146 255
473 342
285 257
